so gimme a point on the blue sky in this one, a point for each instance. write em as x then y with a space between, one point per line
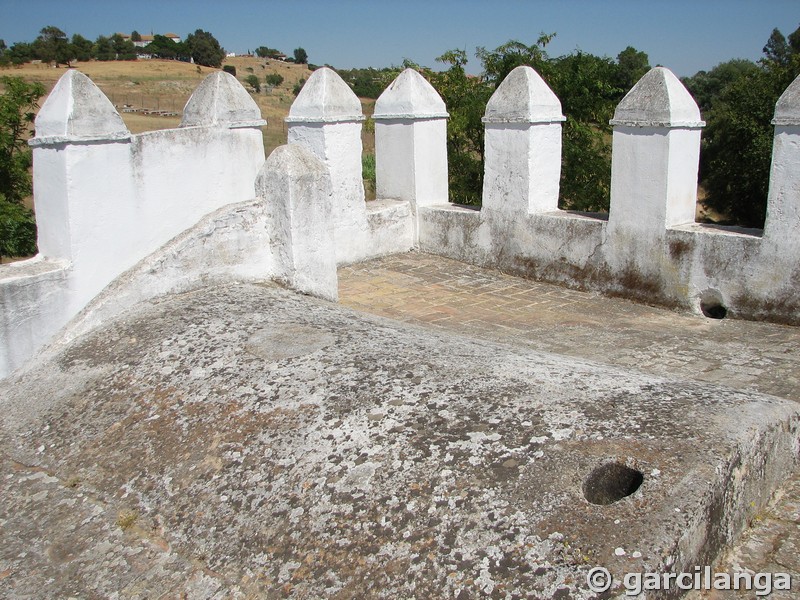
685 36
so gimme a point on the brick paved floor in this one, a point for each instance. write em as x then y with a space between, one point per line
437 292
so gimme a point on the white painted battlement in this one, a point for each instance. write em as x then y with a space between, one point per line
106 199
124 217
648 247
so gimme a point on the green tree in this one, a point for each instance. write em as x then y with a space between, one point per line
706 86
776 49
736 151
17 229
204 49
369 82
230 69
52 45
82 47
20 53
274 79
136 36
465 98
164 47
737 141
253 82
300 56
18 104
498 63
588 88
103 49
632 66
298 86
123 49
265 52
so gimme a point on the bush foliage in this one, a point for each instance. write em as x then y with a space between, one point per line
737 99
53 46
274 79
18 104
589 88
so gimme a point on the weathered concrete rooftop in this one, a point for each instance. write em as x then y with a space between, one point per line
248 442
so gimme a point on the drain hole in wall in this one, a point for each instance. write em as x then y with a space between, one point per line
611 482
713 310
712 306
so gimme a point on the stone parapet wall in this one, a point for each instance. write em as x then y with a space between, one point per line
106 199
112 208
648 247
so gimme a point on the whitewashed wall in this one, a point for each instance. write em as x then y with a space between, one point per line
124 217
649 248
106 199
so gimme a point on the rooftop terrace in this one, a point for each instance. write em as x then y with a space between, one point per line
247 441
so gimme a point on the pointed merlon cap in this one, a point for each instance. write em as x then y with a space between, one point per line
325 98
77 111
787 109
658 100
220 100
410 96
523 97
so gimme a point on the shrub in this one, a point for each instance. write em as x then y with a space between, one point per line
253 82
17 229
368 174
274 79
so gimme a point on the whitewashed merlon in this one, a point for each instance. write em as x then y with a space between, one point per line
410 96
787 109
654 164
77 111
782 225
659 99
325 98
326 118
411 142
221 100
523 97
523 146
296 189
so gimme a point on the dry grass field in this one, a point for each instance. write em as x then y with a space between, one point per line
166 85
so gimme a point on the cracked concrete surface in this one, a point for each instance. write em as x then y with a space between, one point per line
247 442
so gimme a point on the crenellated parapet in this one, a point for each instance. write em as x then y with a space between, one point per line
221 101
648 247
105 199
326 118
76 111
782 224
122 217
654 165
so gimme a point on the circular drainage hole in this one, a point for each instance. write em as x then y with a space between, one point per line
711 304
713 310
611 482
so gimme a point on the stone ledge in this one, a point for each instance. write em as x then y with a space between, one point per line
312 435
32 267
